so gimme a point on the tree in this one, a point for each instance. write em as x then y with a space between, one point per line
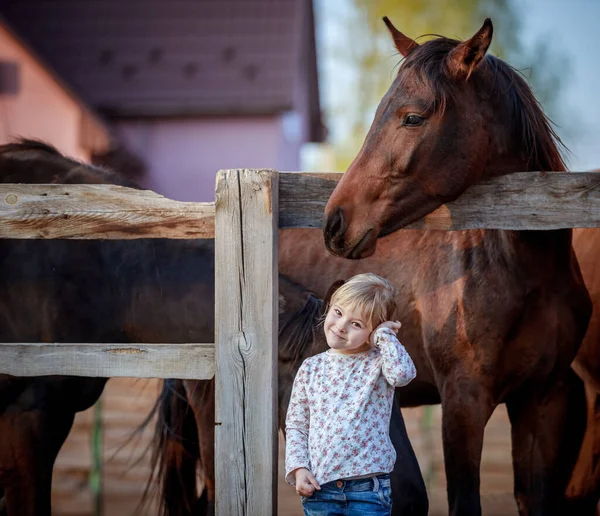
360 60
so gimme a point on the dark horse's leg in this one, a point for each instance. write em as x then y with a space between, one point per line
408 488
466 408
34 424
547 429
33 440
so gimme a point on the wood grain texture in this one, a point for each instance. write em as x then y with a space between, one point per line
525 200
194 361
99 212
246 318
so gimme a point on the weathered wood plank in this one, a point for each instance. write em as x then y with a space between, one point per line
194 361
246 342
525 200
98 212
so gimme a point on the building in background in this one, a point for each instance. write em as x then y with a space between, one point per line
36 103
190 87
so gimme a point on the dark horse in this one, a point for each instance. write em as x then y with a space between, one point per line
494 316
80 291
121 291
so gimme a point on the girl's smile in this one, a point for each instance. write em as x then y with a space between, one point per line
346 330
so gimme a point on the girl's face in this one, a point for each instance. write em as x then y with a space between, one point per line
346 330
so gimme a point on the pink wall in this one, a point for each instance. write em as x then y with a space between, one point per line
183 156
42 108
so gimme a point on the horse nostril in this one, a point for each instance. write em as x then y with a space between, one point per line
334 225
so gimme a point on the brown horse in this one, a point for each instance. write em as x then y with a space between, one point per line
493 316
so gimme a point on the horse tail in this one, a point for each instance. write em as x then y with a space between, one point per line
175 455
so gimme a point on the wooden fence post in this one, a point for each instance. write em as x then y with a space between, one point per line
246 319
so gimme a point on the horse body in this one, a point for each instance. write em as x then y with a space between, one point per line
497 316
81 291
585 482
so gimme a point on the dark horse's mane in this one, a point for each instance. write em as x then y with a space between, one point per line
297 329
529 129
36 162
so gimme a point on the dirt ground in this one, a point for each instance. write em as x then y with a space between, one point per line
126 467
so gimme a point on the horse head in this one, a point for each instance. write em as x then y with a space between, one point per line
452 116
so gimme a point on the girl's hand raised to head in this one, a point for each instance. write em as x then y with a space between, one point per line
392 325
306 483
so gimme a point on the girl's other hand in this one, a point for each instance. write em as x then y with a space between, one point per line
392 325
306 483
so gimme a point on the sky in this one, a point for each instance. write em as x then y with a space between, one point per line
571 26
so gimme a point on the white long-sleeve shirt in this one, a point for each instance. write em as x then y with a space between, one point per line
338 419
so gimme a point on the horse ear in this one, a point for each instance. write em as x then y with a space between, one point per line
468 54
330 291
403 43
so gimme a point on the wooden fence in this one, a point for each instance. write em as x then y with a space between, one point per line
250 206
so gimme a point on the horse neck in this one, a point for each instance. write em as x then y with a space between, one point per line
508 150
503 165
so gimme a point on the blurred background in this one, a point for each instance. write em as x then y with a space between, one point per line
169 91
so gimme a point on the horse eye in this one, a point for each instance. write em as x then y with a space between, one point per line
413 120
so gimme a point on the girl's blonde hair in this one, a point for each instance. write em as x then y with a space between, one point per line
371 295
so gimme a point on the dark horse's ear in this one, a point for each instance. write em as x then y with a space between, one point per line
334 286
403 43
468 54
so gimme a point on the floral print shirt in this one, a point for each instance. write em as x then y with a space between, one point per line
338 419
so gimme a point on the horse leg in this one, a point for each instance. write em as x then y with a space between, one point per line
29 447
409 494
201 396
547 427
466 409
585 479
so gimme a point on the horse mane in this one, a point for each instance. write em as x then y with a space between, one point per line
37 162
528 128
25 145
297 329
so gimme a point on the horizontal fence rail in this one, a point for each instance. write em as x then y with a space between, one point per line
193 361
526 200
99 212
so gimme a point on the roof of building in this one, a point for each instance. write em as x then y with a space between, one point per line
97 132
177 57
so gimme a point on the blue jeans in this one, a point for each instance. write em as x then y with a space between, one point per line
364 497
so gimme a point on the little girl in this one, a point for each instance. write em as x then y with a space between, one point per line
338 450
